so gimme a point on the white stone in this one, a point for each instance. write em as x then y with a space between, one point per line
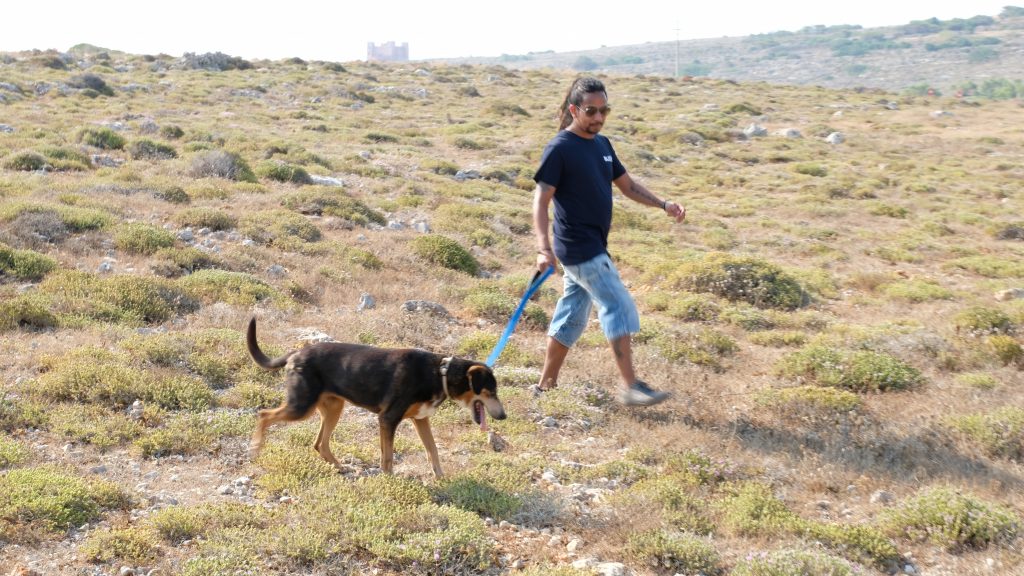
1010 294
611 569
835 138
574 545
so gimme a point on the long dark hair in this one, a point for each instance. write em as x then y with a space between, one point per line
579 89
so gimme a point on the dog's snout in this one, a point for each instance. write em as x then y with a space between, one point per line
496 410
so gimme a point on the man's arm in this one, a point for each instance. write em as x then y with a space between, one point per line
639 193
542 196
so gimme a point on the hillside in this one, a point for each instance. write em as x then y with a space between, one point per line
942 55
839 322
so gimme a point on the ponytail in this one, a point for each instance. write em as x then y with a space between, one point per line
580 87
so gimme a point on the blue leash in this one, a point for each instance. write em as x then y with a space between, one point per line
538 279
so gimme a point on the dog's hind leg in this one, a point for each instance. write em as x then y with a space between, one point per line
427 437
330 408
267 418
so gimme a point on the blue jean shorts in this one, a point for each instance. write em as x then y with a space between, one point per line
595 280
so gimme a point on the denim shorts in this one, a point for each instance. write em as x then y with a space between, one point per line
595 280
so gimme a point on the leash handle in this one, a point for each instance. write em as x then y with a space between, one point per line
538 279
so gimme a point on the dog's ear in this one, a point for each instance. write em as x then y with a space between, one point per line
478 377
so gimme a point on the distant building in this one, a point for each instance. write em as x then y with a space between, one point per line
387 52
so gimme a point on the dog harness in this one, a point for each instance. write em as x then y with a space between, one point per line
444 379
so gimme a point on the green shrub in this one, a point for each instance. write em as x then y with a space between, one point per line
283 172
96 424
810 169
330 202
124 544
778 338
799 398
989 266
24 264
794 563
380 138
860 371
673 496
445 252
139 238
54 499
19 414
104 138
280 228
66 159
978 380
478 345
495 304
148 149
677 552
703 347
751 509
889 210
172 194
192 434
171 132
999 433
211 218
1006 349
171 262
74 218
236 288
80 296
11 452
744 279
221 164
287 469
26 310
25 161
917 291
442 167
981 320
951 519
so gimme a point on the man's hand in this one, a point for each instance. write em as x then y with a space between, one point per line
677 211
545 260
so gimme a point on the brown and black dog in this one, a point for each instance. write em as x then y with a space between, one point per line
393 383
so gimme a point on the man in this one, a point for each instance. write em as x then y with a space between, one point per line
576 170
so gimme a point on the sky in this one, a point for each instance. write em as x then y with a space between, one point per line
339 30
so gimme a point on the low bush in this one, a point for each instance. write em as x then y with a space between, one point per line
103 138
80 296
743 279
236 288
999 433
54 499
678 552
982 320
445 252
150 150
800 399
24 264
25 161
794 563
221 164
67 159
212 218
951 519
859 371
331 202
139 238
283 172
280 228
11 452
27 310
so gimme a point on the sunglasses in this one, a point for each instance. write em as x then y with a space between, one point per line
591 110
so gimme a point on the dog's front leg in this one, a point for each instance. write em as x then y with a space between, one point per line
427 437
387 442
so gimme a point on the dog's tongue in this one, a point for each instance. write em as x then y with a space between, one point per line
483 417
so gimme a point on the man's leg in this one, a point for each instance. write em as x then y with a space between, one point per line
622 347
553 360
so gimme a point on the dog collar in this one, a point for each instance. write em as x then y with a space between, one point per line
444 378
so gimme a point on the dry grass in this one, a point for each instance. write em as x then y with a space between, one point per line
885 245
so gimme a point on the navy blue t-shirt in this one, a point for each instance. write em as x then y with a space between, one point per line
581 170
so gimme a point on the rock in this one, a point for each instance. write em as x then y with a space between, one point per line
1010 294
126 571
823 504
6 129
421 72
791 133
910 569
365 154
395 225
497 443
574 545
835 138
101 469
105 267
611 569
755 131
242 481
467 175
366 302
225 490
710 107
277 270
422 227
186 235
882 497
313 336
519 564
326 181
555 541
136 410
549 477
891 105
105 161
940 114
549 422
432 308
585 564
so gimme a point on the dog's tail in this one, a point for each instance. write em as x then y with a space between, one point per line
254 350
